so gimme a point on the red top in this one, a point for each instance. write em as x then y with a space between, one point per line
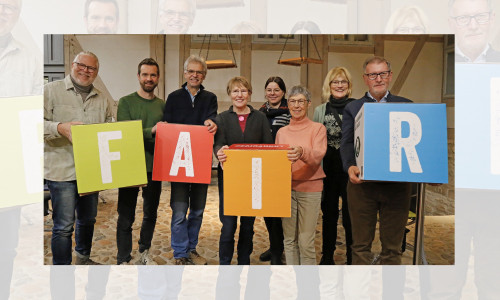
243 121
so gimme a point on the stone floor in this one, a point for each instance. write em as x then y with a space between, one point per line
438 234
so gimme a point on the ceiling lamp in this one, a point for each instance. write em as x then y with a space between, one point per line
219 63
298 61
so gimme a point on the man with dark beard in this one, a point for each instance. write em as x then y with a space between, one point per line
145 106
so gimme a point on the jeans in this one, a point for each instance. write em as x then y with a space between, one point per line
226 241
127 202
65 201
185 230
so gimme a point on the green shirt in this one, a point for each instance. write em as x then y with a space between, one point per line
150 112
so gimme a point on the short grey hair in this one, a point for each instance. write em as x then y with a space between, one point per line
197 59
89 54
190 3
377 60
299 90
451 2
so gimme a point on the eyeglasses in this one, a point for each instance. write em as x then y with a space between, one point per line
84 66
300 102
8 9
410 30
373 76
339 82
236 92
482 18
192 72
170 14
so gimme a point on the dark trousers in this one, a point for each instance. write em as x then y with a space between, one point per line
275 230
334 186
391 200
127 202
229 223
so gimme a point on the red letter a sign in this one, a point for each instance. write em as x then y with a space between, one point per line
183 153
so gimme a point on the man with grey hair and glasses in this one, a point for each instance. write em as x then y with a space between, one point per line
472 22
192 105
101 16
71 101
20 69
389 200
176 16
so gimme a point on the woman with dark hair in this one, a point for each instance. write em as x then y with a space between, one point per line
276 110
337 89
239 124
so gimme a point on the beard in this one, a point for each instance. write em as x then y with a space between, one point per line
146 88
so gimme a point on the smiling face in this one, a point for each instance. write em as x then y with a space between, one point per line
379 86
194 75
298 106
148 78
102 18
239 96
274 94
176 17
471 37
84 76
339 87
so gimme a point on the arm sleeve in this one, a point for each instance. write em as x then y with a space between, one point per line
49 126
267 137
109 110
316 114
347 140
220 135
212 109
314 155
167 112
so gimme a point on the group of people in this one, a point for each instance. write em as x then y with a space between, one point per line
321 152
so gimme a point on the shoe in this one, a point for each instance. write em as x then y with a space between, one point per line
124 263
266 256
85 261
196 258
183 261
146 259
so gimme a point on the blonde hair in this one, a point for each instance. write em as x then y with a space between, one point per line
337 71
238 80
402 14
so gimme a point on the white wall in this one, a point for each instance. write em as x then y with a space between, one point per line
119 56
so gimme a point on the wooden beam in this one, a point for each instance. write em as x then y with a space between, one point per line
412 38
246 57
184 52
379 49
351 49
74 47
408 65
157 52
324 55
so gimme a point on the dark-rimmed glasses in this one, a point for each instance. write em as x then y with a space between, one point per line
481 19
373 76
82 67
